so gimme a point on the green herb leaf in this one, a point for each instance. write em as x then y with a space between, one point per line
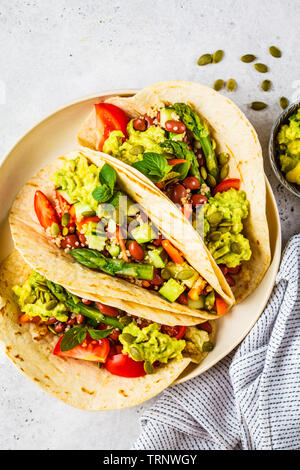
154 166
100 334
102 193
108 176
181 150
73 338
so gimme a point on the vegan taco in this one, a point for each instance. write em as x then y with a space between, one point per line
68 223
89 354
200 150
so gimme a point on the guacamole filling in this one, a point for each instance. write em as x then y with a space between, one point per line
288 143
177 133
106 231
79 322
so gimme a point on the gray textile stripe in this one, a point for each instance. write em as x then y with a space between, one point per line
250 399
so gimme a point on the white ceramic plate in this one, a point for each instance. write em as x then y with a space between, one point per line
55 135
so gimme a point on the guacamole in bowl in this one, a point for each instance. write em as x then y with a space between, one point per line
284 148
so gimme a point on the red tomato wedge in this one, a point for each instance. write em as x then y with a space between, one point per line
86 220
89 350
109 118
107 310
123 366
44 210
226 185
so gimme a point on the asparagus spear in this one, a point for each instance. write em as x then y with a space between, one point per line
95 260
200 133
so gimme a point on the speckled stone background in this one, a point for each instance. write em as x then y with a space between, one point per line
53 52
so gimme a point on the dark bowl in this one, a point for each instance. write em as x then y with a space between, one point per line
282 119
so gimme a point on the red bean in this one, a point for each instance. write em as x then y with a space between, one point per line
206 326
136 251
59 327
140 124
71 321
157 280
179 192
149 120
115 334
182 299
198 199
82 238
79 318
230 280
191 182
175 126
158 241
235 270
70 241
86 301
223 268
51 321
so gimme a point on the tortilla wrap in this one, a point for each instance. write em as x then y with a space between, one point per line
81 384
60 267
233 134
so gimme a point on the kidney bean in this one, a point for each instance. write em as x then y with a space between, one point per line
140 124
235 270
82 238
182 299
149 120
178 193
51 321
198 199
70 241
158 241
206 326
157 280
191 182
230 280
136 251
59 327
115 334
223 268
86 301
175 126
71 321
79 318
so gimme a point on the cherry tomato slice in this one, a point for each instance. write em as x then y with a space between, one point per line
109 118
89 350
107 310
86 220
123 366
44 210
226 185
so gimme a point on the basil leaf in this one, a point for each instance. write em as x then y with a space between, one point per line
102 193
100 334
182 169
73 338
182 150
108 177
153 165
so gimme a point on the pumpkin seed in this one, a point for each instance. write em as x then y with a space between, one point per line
275 52
185 274
266 85
165 274
223 158
261 68
247 58
137 149
65 231
54 229
219 84
231 84
65 220
215 218
203 172
51 305
128 337
211 180
125 320
207 346
135 354
214 236
148 367
217 56
284 102
258 105
236 248
89 213
205 59
224 171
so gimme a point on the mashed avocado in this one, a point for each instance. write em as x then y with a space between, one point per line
149 344
288 140
35 299
197 343
78 179
135 145
223 216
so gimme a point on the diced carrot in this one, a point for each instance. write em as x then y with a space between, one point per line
172 252
220 306
24 318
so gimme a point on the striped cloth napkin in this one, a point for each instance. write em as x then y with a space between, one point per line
250 399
